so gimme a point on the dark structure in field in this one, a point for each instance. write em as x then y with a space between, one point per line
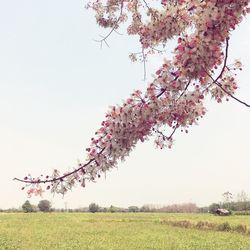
222 212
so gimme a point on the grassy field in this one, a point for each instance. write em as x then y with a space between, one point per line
122 231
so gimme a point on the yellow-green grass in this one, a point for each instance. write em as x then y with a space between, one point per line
117 231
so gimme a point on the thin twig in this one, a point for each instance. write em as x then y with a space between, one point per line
215 81
104 38
144 65
183 92
170 136
60 177
165 89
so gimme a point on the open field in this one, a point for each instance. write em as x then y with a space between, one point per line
123 231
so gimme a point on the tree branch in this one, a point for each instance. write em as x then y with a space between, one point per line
215 81
60 178
113 28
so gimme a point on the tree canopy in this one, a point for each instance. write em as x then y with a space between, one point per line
27 207
175 99
93 208
44 205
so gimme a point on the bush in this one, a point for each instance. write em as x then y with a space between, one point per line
224 227
179 223
145 209
133 209
213 208
240 229
185 224
113 209
205 225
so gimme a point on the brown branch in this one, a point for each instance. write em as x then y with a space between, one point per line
229 94
170 136
183 92
222 70
215 81
164 89
225 61
146 4
144 65
232 96
60 178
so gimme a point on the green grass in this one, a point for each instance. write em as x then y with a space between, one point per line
117 231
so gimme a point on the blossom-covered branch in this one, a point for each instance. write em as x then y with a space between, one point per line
175 97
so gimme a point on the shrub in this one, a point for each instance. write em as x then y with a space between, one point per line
213 207
181 223
224 227
133 209
240 229
205 225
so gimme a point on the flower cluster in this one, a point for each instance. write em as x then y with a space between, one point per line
225 86
175 98
201 52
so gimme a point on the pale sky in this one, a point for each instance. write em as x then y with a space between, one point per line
56 85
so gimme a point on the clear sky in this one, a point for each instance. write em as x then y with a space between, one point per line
56 85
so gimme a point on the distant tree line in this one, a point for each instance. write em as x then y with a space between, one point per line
175 208
45 206
238 205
